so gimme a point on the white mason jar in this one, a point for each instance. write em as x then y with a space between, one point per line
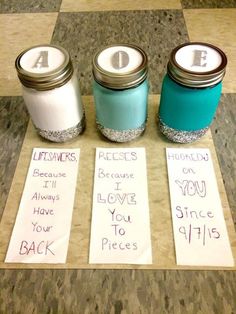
51 92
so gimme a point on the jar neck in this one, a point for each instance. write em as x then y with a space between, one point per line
191 87
120 89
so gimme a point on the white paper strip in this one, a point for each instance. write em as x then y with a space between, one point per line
200 233
42 228
120 231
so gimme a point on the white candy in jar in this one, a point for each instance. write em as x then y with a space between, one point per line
51 92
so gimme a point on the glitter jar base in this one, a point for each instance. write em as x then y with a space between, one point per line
63 135
121 136
180 136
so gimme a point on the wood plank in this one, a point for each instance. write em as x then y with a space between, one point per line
160 212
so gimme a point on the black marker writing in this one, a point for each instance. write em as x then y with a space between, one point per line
201 233
32 248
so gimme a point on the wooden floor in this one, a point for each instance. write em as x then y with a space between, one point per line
82 27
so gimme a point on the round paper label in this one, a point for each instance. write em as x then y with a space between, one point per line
198 58
42 59
119 59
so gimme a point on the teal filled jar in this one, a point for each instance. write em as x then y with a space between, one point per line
191 91
120 91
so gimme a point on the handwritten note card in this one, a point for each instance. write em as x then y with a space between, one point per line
120 231
200 232
42 227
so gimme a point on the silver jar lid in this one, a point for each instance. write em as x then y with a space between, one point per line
44 67
120 66
197 65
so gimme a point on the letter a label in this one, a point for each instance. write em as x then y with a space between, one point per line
42 60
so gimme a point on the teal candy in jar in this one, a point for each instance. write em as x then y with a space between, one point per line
120 91
191 91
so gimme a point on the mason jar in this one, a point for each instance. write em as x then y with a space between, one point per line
120 91
51 92
191 91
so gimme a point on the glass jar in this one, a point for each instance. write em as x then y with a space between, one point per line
120 91
51 92
191 91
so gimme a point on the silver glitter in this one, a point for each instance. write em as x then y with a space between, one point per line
63 135
180 136
121 136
